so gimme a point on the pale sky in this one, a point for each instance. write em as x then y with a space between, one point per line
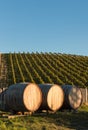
44 26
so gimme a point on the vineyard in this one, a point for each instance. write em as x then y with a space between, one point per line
46 68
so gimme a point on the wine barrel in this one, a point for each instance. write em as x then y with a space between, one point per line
73 97
53 97
3 106
23 97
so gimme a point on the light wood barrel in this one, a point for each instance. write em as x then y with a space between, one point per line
73 97
24 97
53 97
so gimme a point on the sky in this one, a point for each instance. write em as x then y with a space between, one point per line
59 26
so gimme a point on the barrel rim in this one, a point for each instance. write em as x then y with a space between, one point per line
53 85
74 86
28 85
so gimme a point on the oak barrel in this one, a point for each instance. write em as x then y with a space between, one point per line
24 97
53 97
73 97
3 105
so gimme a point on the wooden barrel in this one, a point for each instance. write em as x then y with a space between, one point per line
53 97
3 106
24 97
73 97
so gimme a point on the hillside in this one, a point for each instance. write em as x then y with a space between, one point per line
46 68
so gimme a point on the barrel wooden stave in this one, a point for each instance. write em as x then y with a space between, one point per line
24 97
73 97
53 97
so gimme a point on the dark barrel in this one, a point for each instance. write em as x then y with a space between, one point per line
53 97
73 97
23 97
3 105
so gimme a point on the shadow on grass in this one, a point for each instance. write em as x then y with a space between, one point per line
77 121
71 120
57 121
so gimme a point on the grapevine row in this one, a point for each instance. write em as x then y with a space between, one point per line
47 68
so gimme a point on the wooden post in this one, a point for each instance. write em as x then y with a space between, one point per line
0 64
0 58
86 95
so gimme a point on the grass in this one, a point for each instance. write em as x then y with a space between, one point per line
58 121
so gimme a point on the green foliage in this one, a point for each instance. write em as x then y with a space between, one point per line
47 68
